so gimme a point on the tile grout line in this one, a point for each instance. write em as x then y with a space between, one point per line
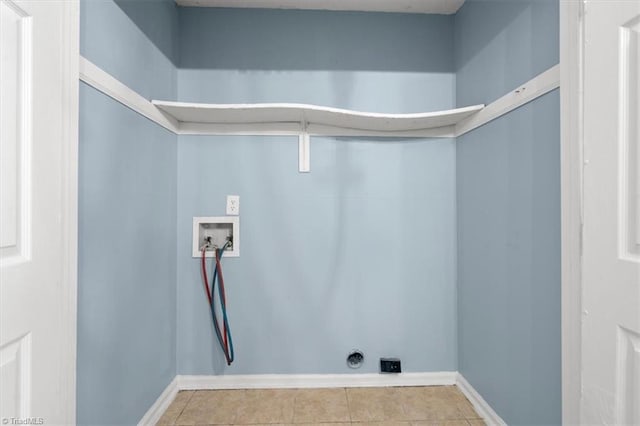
175 421
295 402
404 411
346 395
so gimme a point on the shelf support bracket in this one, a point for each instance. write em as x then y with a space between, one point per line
304 150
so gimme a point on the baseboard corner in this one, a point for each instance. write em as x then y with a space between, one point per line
158 408
481 406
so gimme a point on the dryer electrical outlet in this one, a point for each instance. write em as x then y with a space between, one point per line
219 229
233 205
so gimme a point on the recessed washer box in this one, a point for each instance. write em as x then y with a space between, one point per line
219 228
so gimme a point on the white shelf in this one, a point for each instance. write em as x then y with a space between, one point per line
303 120
302 115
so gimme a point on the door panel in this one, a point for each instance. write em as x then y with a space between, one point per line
611 259
38 138
15 123
629 47
628 380
15 373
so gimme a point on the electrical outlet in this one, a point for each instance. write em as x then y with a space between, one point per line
233 205
390 365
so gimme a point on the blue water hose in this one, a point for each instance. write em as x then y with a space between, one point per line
229 356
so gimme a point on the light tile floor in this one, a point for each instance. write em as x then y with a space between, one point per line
401 406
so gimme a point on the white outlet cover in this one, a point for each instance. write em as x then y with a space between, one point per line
233 205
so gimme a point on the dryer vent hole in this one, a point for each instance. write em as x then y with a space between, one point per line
355 359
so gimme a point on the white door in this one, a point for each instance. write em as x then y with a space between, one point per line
38 144
611 259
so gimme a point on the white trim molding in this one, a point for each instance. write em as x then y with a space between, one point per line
163 402
481 406
313 129
69 199
289 381
114 88
529 91
164 113
571 158
110 86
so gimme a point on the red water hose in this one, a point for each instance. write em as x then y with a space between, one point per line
218 271
223 300
205 279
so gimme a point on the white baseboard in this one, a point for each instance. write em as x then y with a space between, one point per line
265 381
158 408
481 406
284 381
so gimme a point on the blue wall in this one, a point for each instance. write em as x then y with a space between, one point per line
368 61
112 38
127 216
500 44
360 253
508 198
444 253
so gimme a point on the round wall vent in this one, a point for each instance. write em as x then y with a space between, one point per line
355 359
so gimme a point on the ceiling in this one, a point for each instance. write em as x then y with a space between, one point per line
405 6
